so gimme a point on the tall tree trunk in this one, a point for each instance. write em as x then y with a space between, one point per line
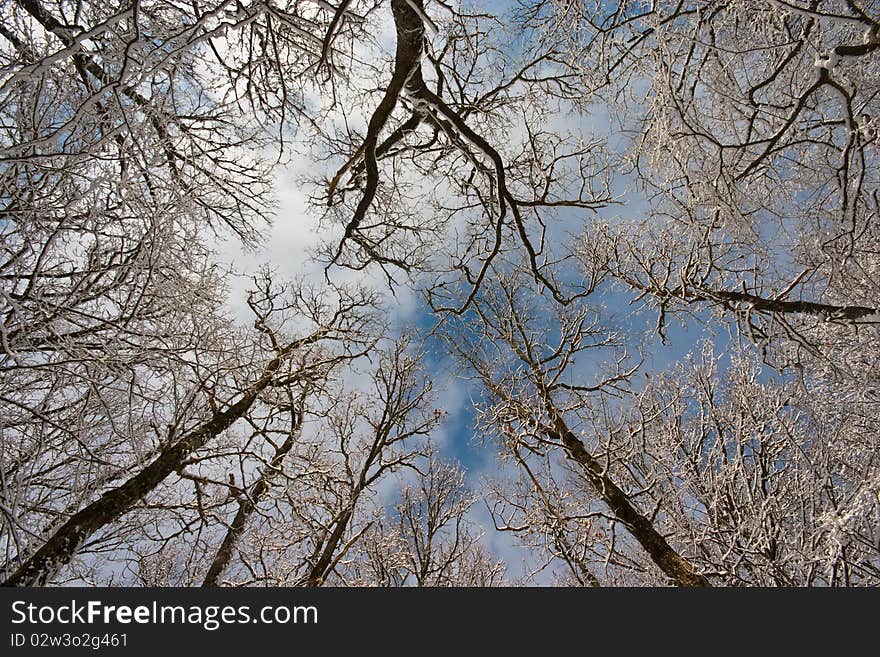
667 559
63 544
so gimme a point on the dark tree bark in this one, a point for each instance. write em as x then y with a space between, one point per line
62 545
667 559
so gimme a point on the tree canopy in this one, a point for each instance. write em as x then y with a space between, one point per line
644 239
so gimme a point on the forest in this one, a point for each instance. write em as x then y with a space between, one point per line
398 293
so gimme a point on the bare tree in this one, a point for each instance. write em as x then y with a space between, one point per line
429 540
221 388
526 365
773 486
550 517
751 140
144 436
706 474
447 150
301 515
